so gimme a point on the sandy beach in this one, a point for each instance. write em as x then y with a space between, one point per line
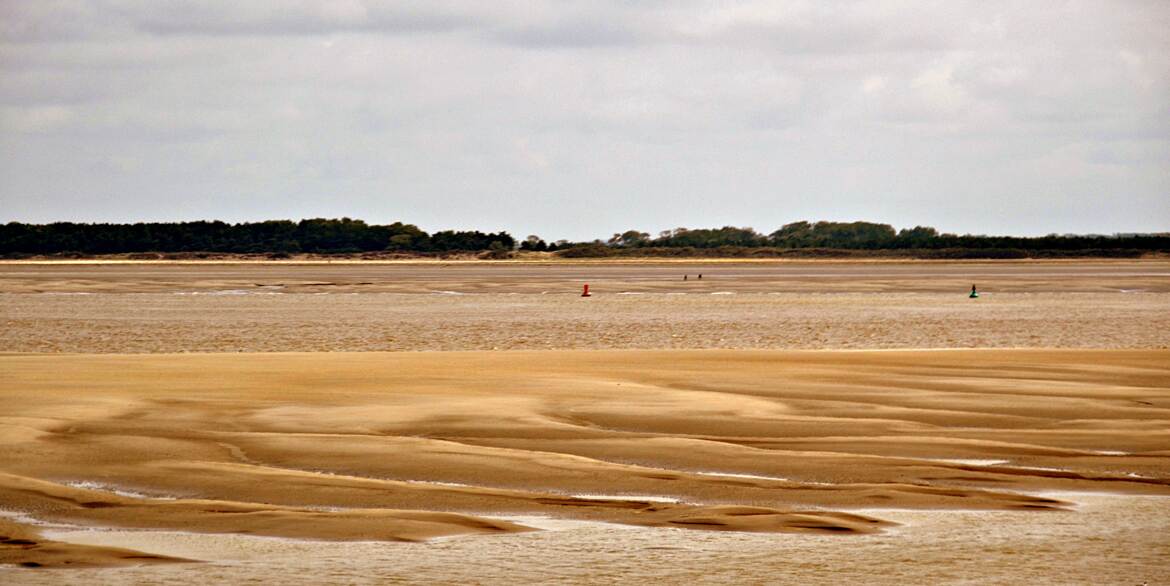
507 293
277 307
772 422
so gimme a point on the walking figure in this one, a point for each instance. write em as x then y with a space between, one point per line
974 294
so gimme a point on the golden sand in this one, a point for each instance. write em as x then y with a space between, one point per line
417 445
733 465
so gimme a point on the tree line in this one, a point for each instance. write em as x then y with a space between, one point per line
325 236
869 236
345 235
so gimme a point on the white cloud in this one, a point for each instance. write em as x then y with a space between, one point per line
576 119
35 119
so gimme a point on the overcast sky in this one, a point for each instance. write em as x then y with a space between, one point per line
579 119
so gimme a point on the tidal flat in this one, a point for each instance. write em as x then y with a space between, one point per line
810 423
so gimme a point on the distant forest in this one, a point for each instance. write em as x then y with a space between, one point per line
319 236
348 236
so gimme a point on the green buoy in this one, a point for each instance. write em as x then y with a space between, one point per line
974 294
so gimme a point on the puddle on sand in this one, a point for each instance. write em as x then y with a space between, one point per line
966 461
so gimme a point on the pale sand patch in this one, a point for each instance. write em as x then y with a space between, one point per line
751 476
644 498
968 461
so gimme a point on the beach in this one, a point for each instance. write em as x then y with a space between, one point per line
480 422
281 307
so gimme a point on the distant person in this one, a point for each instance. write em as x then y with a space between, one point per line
684 277
974 293
700 276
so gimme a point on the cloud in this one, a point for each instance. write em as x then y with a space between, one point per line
574 119
573 33
36 119
189 17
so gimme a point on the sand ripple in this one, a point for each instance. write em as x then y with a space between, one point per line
412 447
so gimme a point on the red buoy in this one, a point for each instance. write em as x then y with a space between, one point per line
585 293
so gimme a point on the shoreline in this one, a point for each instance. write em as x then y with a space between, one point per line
486 305
596 351
1161 259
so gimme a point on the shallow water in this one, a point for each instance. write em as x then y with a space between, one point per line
1107 539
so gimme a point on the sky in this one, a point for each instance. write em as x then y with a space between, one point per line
576 120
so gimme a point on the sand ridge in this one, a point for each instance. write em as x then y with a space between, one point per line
409 446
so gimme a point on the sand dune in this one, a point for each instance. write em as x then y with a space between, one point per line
412 446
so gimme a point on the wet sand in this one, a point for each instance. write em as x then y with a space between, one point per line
704 464
311 308
1101 276
412 446
1119 534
